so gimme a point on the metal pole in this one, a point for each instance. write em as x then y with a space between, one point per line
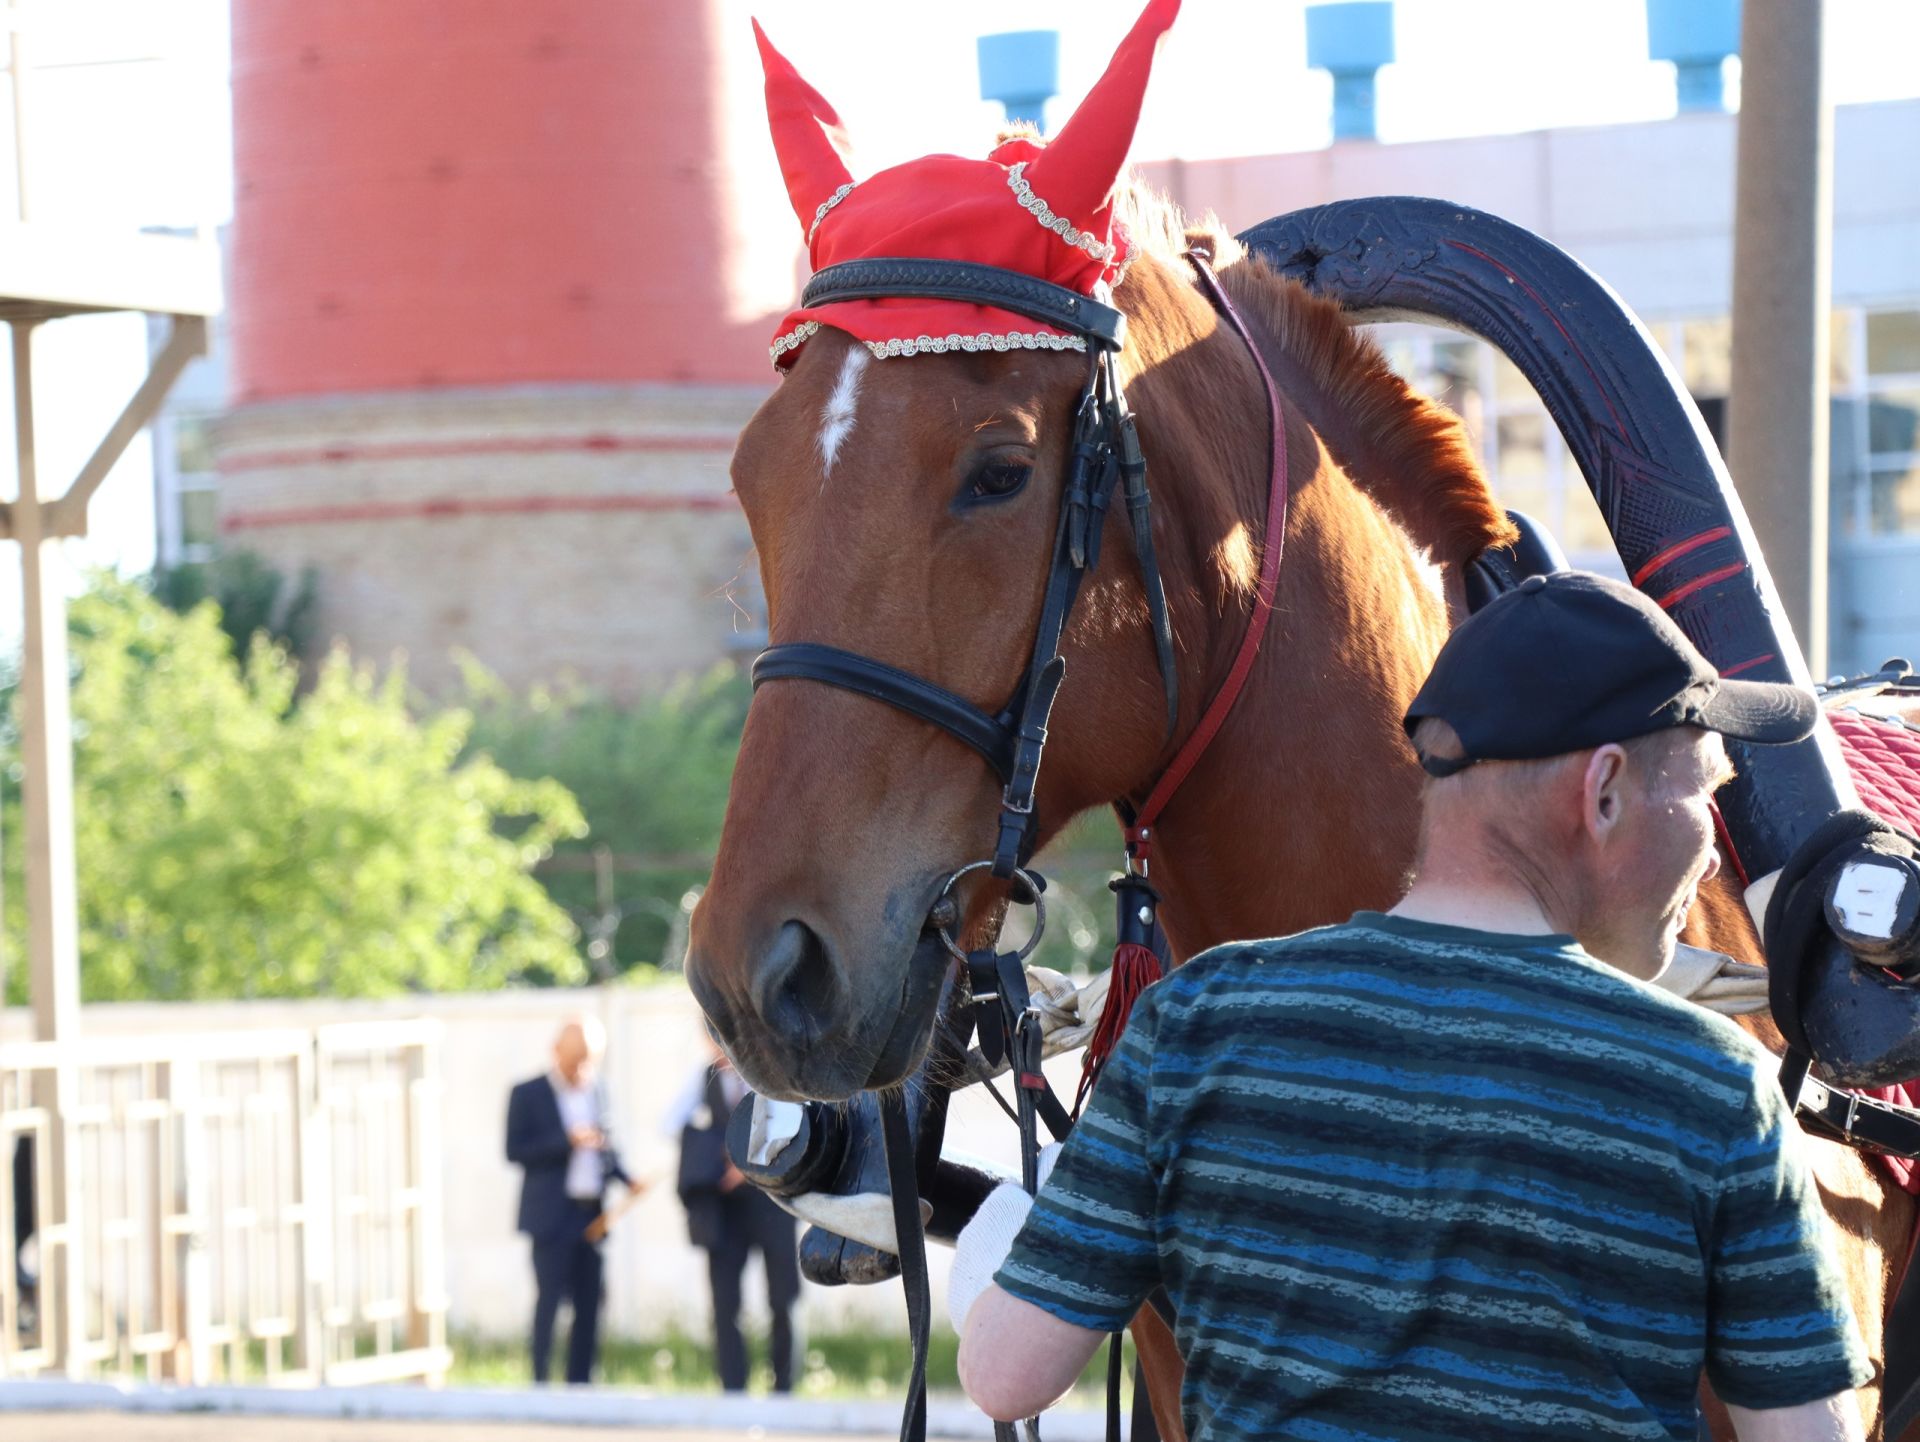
46 732
15 21
1782 297
46 795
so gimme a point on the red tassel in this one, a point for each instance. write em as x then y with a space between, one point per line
1135 968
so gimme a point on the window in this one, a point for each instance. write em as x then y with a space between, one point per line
1706 363
192 446
1876 428
1893 343
1527 462
186 495
1454 377
199 527
1520 462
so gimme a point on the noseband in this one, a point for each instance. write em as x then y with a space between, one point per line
1105 454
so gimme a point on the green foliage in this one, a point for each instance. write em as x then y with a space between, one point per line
239 834
252 597
234 839
1078 865
652 780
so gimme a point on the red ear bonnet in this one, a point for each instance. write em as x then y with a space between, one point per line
1078 168
1044 209
807 134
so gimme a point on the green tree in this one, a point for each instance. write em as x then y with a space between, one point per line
651 778
251 595
236 839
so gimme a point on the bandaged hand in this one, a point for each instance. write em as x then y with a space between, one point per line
984 1242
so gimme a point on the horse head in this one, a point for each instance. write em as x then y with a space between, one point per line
903 485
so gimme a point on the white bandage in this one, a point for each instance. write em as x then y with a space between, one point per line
1715 981
775 1124
858 1216
984 1242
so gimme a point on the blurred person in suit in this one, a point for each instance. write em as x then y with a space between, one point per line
730 1218
25 1278
558 1131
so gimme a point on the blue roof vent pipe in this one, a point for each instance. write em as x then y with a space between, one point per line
1353 40
1696 35
1021 70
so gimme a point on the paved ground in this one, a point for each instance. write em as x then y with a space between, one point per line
122 1427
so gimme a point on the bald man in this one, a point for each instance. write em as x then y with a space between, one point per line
557 1130
1457 1170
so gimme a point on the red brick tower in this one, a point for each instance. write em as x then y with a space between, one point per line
496 315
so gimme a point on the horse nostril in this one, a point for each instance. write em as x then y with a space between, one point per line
796 992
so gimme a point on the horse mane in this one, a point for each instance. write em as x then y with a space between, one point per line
1409 453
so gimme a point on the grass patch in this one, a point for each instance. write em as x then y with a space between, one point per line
837 1365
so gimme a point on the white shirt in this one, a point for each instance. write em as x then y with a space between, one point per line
586 1168
690 1106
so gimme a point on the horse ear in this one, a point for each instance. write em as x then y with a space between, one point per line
1076 171
807 134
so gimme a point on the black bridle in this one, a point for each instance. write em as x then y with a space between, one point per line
1104 456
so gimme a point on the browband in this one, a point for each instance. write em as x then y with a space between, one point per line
965 280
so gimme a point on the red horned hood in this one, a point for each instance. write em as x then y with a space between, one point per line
1043 209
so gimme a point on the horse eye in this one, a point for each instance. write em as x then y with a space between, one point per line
997 480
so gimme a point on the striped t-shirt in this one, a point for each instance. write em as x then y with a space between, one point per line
1409 1181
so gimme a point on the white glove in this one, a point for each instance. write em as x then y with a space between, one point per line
984 1242
1068 1015
1715 981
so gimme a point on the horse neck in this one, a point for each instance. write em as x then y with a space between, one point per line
1303 809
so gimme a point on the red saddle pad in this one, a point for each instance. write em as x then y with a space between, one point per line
1884 757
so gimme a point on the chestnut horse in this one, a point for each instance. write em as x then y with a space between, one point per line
847 816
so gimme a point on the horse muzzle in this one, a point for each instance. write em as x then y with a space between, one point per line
804 1029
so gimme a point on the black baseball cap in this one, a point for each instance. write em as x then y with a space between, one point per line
1570 660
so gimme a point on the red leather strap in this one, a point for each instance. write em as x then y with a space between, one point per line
1726 845
1139 834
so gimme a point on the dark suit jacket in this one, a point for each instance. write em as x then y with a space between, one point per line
537 1141
703 1165
23 1222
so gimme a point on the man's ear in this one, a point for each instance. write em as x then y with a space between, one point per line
1603 791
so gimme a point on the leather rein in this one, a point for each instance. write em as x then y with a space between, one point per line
1104 458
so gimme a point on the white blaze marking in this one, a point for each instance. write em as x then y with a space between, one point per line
836 418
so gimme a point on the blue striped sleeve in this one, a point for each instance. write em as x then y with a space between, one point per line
1780 1330
1088 1253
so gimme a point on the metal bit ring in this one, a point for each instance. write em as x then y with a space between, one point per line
1033 897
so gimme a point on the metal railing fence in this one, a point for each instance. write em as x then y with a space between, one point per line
246 1206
